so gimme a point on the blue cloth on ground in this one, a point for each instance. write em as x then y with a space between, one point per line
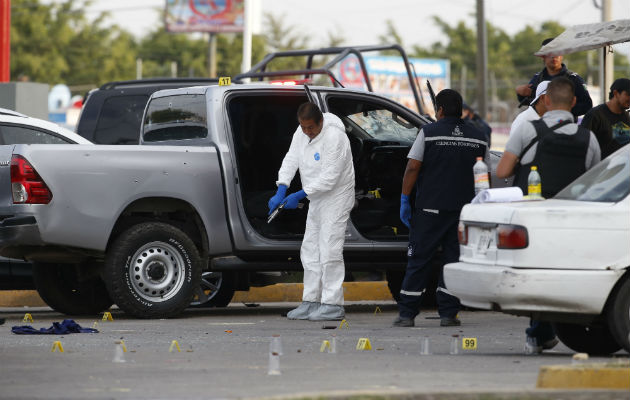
57 328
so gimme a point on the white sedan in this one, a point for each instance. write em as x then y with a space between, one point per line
16 128
564 260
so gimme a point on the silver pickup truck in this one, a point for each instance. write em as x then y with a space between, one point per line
183 216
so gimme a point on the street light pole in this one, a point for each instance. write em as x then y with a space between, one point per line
482 60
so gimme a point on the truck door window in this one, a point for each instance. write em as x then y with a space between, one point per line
176 118
383 124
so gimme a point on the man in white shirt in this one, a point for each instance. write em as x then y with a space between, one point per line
535 110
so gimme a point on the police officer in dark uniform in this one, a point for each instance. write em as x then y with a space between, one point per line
553 69
441 167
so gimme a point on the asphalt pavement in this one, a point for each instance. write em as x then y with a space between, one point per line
225 354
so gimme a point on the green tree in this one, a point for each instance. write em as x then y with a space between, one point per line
55 43
160 48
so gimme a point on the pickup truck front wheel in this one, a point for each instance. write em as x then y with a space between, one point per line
63 289
152 270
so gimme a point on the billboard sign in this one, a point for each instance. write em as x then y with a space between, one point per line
388 77
204 15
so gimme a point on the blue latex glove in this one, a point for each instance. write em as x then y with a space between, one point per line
275 201
405 210
292 200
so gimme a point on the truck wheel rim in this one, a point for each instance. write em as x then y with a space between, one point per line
157 271
210 285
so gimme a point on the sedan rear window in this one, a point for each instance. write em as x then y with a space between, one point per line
608 181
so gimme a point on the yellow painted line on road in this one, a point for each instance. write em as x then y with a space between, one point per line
585 376
292 292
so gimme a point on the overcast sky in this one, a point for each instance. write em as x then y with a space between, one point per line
362 21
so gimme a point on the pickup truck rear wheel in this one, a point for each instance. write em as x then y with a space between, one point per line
152 270
592 339
618 313
216 289
59 286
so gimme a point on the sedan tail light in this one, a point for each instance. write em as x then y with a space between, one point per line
26 184
512 237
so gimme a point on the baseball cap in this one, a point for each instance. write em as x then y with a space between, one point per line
540 90
620 85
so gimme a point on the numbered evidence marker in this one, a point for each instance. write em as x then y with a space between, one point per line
325 345
344 323
225 81
469 343
364 344
28 318
107 316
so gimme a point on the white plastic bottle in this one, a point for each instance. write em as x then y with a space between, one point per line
534 185
480 171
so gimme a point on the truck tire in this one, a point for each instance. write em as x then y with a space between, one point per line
618 313
593 339
58 285
152 270
216 289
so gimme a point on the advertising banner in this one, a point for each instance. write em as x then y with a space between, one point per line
388 76
204 15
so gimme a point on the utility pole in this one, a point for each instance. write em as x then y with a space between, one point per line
5 40
607 59
482 60
212 55
247 37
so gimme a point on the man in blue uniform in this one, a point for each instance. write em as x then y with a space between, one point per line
553 69
441 167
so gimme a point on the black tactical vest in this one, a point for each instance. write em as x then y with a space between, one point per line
560 158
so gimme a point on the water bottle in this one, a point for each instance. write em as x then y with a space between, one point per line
480 171
534 186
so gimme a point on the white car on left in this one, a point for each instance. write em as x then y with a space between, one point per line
16 128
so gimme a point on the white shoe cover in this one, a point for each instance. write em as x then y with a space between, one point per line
303 310
327 312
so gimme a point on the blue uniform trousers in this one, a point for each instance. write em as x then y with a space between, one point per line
428 231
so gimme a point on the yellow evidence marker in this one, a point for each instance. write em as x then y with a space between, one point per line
27 318
225 81
469 343
325 345
344 322
94 325
364 344
107 316
175 345
57 346
377 310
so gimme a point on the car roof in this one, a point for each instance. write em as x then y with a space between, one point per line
6 111
21 119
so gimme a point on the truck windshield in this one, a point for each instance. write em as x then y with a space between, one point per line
608 181
175 118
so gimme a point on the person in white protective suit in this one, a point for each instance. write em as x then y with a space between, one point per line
320 150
